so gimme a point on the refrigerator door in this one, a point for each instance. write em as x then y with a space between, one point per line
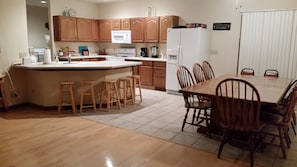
172 63
194 46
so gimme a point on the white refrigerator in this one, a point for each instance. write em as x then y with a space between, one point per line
185 46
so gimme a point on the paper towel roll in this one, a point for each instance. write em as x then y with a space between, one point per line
47 56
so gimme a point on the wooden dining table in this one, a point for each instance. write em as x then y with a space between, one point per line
270 89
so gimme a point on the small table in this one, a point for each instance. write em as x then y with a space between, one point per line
2 92
270 89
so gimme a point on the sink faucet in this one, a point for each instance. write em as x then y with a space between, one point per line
69 58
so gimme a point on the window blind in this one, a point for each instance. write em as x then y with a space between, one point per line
269 40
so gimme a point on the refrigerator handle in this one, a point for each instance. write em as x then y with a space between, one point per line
179 56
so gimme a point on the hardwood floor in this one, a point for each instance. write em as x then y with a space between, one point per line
30 137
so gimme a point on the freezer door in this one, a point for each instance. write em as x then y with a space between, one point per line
172 84
173 51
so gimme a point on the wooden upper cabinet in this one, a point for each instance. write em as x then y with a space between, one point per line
165 23
137 29
125 24
95 30
105 27
65 28
116 24
84 29
151 32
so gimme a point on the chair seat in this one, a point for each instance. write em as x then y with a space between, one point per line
277 109
271 118
199 104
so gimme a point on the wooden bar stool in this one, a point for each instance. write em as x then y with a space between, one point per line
2 94
137 84
125 85
87 89
109 94
66 89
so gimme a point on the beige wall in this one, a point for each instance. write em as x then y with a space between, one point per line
224 44
36 19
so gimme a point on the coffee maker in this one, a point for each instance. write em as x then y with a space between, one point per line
154 51
143 52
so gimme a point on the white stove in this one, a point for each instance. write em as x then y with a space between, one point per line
126 52
122 53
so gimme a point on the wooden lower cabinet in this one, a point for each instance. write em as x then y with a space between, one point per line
146 73
160 75
152 74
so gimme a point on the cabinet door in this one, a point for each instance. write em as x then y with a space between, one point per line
151 33
137 29
165 23
95 30
146 73
105 30
116 24
84 29
159 75
65 28
125 24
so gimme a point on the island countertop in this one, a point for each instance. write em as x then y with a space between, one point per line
82 65
65 58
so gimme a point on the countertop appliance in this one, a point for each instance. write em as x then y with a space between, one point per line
143 52
154 51
185 46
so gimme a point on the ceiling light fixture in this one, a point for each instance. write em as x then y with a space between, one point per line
43 1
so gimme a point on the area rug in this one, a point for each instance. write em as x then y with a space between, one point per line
31 111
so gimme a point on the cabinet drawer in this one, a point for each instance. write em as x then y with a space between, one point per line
147 63
159 64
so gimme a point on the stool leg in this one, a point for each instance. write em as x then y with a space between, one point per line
60 98
72 99
108 89
93 98
81 99
139 88
117 96
131 91
102 92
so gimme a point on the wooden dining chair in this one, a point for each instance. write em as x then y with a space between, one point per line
283 102
208 71
198 72
280 123
193 101
238 103
271 73
247 71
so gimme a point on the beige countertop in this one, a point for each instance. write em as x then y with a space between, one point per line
106 56
82 65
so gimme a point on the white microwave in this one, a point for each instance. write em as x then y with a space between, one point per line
121 36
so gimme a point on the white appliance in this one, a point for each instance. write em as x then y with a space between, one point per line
122 53
121 36
185 46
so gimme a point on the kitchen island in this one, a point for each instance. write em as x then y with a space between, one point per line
41 81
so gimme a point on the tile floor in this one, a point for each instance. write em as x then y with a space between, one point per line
162 115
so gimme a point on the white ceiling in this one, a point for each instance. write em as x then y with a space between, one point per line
37 2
